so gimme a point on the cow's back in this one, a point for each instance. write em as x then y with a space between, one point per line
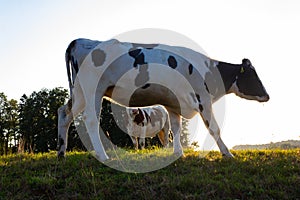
158 117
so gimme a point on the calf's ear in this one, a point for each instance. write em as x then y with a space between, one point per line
134 110
140 111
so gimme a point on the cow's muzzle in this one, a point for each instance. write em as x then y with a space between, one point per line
264 98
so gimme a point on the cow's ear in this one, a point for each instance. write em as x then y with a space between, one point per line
246 62
245 65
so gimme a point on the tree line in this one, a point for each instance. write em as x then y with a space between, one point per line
30 124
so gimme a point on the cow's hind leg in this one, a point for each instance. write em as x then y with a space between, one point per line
176 120
135 142
66 114
163 135
214 130
142 137
64 121
142 142
65 118
167 131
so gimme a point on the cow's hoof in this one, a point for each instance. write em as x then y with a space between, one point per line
61 155
179 153
101 158
228 155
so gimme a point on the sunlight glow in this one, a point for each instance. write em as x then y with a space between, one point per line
34 36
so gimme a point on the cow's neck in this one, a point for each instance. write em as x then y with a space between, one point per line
229 73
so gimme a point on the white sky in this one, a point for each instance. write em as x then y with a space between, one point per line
35 34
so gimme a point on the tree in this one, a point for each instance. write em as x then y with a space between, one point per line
3 117
38 119
8 124
26 115
12 137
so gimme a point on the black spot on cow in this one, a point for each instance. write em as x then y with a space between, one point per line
198 97
139 118
146 86
206 87
206 123
143 76
98 57
140 60
200 107
138 56
172 62
134 52
193 96
191 68
148 119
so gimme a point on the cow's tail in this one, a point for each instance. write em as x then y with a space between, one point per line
69 64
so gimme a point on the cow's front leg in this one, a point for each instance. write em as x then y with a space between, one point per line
91 114
214 130
176 120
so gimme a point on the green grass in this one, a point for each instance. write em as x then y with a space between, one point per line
264 174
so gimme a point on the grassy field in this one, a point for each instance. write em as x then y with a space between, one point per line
264 174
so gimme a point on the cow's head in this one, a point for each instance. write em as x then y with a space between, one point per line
248 85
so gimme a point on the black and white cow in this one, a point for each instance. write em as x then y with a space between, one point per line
182 80
148 122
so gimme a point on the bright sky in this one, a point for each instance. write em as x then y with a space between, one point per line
34 35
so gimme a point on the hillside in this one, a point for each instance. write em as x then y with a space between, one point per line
263 174
289 144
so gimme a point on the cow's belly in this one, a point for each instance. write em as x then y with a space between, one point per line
155 94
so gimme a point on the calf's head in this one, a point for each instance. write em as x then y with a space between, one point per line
137 116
